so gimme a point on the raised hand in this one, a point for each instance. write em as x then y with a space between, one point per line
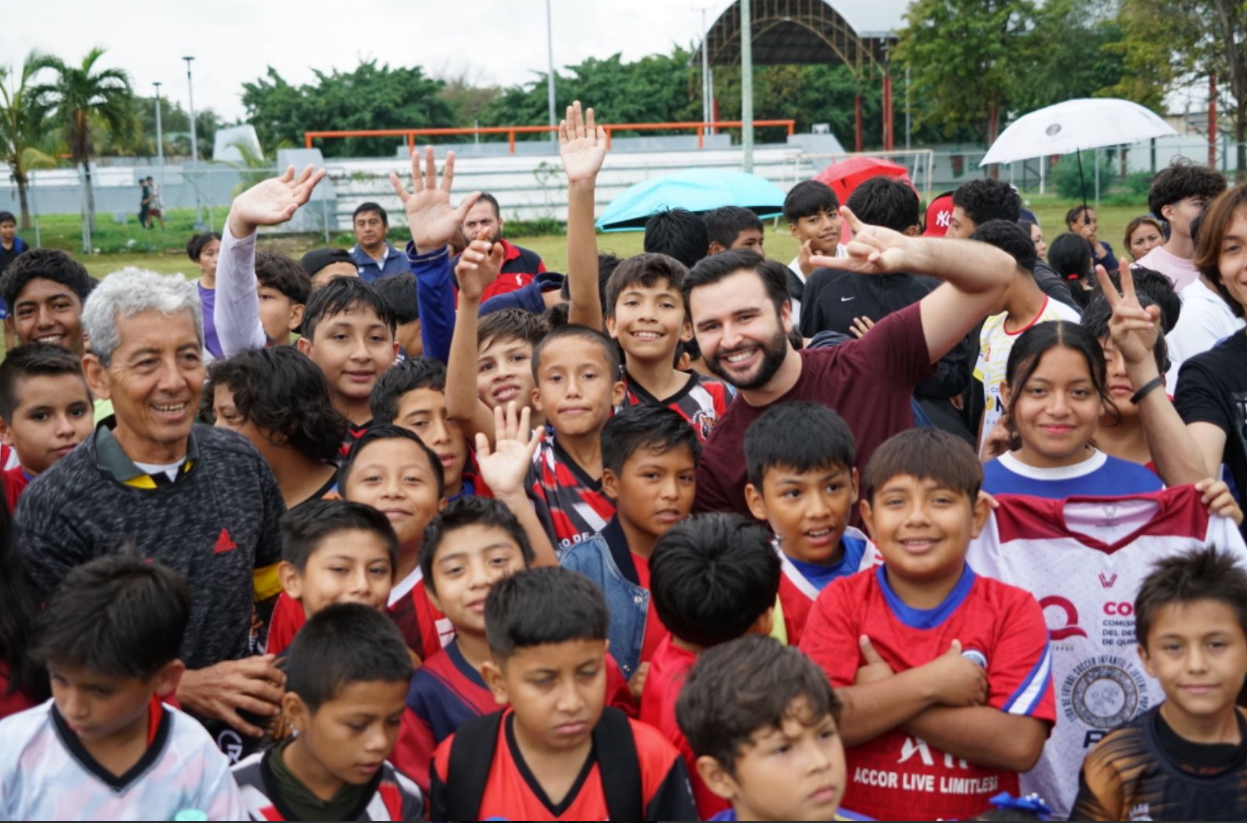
432 221
504 467
873 249
478 266
1134 329
582 145
273 201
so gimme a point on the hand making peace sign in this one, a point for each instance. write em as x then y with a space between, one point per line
873 249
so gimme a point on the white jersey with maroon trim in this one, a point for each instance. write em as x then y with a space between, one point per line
1084 558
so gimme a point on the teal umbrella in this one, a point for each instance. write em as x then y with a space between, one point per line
698 190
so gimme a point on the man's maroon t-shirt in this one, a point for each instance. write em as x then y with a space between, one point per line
869 382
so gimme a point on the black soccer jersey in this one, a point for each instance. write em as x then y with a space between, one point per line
1144 771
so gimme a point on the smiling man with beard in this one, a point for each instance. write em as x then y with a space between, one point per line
741 314
149 481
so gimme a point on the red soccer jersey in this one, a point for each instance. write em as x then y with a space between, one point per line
13 703
446 692
655 631
668 669
797 592
513 793
898 777
424 628
15 481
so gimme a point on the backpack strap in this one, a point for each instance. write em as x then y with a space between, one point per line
619 766
471 756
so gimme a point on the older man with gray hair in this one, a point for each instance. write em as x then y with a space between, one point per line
151 481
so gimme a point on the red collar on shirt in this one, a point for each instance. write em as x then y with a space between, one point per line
509 252
155 712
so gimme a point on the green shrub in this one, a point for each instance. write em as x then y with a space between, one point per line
1067 177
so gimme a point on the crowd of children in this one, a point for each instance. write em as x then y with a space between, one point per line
673 537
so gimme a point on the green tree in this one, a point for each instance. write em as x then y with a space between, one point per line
667 88
369 97
811 94
1069 54
20 135
87 104
965 56
1170 45
466 94
655 89
175 125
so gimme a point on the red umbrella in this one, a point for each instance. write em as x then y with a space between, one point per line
845 176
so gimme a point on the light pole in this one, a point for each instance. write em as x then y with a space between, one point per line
160 140
554 136
746 82
190 88
705 74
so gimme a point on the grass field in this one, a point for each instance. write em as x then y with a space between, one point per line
164 251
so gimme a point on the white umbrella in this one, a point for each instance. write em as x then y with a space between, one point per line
1074 125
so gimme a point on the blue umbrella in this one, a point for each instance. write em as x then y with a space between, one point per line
697 190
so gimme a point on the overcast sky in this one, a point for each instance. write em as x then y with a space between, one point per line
495 41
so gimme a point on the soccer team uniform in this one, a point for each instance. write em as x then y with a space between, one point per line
1084 559
425 629
900 777
511 792
668 669
569 503
702 402
445 692
388 796
47 774
1145 771
995 344
801 583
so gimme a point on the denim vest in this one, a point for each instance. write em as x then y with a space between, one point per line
599 558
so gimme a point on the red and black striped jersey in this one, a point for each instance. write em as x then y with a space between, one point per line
569 503
702 402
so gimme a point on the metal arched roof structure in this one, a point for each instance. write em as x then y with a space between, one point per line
792 32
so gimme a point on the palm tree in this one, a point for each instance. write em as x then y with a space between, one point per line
19 131
84 102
